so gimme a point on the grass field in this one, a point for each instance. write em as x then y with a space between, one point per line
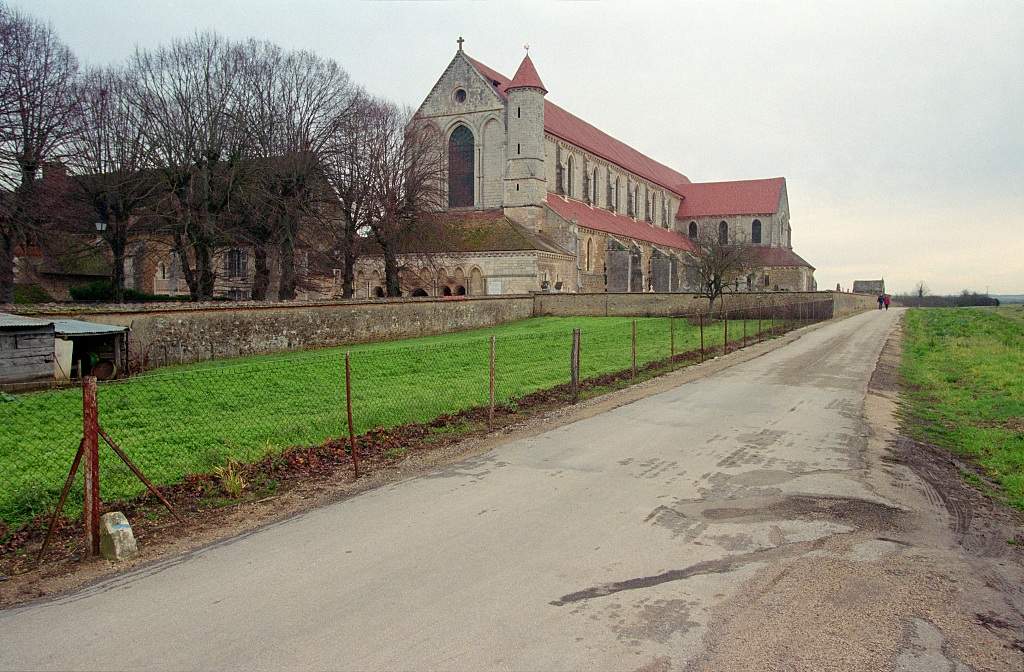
965 373
190 419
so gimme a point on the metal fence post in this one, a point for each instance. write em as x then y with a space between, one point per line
348 409
634 348
701 316
90 454
760 312
490 387
725 332
574 365
672 336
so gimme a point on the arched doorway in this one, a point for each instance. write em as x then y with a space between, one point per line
460 291
446 291
460 168
419 291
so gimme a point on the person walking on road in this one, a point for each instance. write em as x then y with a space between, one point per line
886 298
881 300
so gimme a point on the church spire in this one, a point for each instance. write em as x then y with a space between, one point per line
526 77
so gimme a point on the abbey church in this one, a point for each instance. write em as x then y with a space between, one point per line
548 202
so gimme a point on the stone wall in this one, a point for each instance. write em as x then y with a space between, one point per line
652 304
848 304
182 333
172 333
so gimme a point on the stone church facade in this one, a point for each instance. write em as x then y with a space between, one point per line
585 211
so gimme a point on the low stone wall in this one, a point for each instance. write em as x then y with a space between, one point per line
652 304
181 333
847 304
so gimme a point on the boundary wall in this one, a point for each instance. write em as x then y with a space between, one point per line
162 334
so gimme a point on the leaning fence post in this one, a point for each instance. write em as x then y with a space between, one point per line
634 348
574 365
348 409
91 472
701 316
490 386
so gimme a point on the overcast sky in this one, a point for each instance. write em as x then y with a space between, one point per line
899 126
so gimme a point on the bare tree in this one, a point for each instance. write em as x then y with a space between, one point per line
112 175
347 165
407 177
37 103
718 264
188 95
294 104
920 290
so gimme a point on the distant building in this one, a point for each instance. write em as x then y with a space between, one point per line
869 286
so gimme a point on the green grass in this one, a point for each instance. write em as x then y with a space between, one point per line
189 419
965 373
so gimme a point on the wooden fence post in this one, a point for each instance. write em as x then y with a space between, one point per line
634 348
744 332
490 387
91 473
760 312
574 365
348 409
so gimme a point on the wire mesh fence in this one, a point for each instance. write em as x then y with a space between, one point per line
186 420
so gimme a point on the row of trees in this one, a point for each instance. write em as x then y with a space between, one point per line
206 143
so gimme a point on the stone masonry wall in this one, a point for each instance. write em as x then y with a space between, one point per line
652 304
174 334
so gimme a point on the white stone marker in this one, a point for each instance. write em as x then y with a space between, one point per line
117 542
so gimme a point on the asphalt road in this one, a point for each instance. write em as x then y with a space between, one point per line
741 521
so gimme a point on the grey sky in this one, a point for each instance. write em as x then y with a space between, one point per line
898 125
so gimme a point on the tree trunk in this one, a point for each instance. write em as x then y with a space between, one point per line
261 279
287 281
117 245
349 264
6 268
204 267
391 280
186 268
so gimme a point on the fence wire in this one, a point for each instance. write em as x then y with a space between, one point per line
191 419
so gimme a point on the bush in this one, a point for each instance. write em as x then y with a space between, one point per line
31 294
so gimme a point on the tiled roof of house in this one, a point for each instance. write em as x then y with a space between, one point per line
572 129
777 256
526 77
741 197
600 219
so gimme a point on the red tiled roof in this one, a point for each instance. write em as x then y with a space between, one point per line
600 219
569 127
526 76
742 197
778 256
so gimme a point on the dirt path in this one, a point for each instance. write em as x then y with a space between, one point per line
761 518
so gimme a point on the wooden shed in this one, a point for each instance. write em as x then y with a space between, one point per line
26 350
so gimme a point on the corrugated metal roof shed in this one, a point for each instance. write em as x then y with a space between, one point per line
82 328
9 321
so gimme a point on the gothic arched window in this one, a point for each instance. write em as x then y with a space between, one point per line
590 254
611 198
693 230
569 176
593 185
460 168
586 186
755 231
723 233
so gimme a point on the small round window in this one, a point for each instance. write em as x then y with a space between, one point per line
460 95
